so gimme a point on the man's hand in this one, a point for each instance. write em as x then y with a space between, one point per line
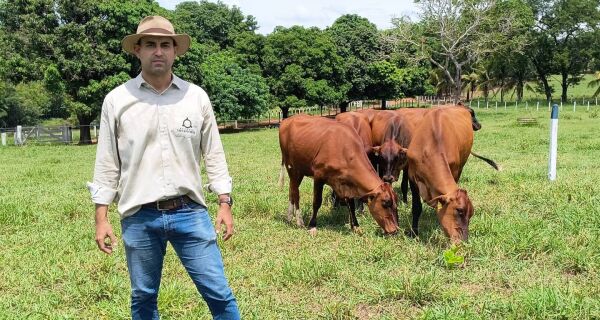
224 217
104 230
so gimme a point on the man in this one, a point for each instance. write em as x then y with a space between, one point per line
154 131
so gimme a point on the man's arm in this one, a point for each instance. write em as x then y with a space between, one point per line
104 230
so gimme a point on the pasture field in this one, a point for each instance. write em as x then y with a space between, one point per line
534 249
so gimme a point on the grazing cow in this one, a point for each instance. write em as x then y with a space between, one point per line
440 146
332 153
412 118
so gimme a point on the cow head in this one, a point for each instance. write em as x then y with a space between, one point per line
454 210
391 159
383 206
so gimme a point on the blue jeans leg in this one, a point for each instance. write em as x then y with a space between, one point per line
193 237
145 246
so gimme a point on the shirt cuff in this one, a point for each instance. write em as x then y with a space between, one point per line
101 194
221 186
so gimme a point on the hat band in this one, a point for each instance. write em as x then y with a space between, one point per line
157 30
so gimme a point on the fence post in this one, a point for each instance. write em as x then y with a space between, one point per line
574 105
19 136
504 105
588 108
3 138
235 124
477 103
526 105
553 143
496 105
537 108
95 132
516 105
561 106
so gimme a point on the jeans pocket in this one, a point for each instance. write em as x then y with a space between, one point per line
201 226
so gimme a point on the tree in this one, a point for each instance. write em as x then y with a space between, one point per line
357 42
235 92
454 35
561 35
213 22
302 68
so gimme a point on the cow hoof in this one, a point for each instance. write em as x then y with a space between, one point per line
312 231
411 233
358 231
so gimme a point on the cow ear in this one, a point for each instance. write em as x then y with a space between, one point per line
376 150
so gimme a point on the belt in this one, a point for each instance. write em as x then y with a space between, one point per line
169 204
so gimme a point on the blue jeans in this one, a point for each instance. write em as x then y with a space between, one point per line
191 233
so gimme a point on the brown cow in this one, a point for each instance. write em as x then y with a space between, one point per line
436 155
413 117
360 123
386 130
332 153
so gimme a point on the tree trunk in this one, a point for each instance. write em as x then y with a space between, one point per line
383 104
468 96
284 112
85 137
457 85
344 106
565 85
502 90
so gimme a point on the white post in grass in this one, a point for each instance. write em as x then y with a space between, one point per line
496 105
4 139
588 108
504 105
19 136
561 106
537 108
574 104
553 143
95 132
516 105
526 105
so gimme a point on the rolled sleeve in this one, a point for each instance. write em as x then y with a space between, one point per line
214 157
107 168
101 194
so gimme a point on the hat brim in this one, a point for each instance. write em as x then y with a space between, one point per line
182 40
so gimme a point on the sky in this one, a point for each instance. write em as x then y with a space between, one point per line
309 13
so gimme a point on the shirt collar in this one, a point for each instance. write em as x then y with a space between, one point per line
176 82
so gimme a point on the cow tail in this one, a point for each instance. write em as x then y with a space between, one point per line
489 161
282 175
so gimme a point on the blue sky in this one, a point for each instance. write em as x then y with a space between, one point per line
308 13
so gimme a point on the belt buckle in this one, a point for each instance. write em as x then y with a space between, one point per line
159 208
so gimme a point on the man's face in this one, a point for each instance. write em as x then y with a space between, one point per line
156 54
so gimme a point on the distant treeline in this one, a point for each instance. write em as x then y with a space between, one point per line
60 58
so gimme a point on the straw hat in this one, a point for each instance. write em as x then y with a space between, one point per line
156 26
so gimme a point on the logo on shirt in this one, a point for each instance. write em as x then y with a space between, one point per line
186 130
187 123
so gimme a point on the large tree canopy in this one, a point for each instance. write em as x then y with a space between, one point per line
303 68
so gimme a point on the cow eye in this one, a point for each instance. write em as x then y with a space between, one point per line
460 211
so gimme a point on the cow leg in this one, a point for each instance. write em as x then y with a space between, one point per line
416 209
317 201
404 185
295 199
353 221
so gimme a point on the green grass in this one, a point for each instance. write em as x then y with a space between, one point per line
533 250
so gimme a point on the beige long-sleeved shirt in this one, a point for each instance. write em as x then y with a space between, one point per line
151 144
